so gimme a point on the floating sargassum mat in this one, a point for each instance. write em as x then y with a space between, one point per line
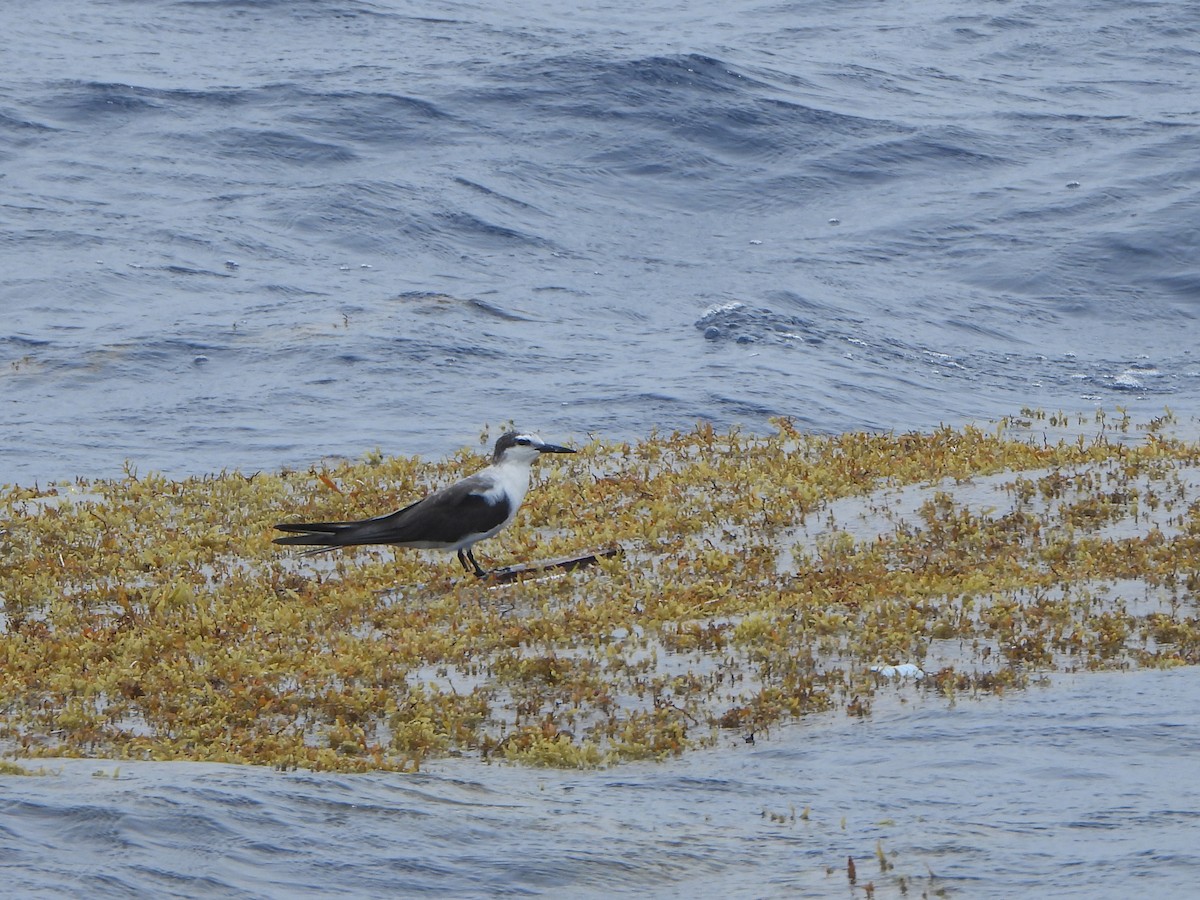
764 578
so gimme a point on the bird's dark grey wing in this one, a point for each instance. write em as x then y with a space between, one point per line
441 518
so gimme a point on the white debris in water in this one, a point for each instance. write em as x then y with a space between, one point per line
906 670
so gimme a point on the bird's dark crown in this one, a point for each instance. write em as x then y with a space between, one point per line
509 439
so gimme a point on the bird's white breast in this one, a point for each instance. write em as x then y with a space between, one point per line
511 480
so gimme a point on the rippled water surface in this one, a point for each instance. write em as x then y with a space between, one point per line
250 234
1081 789
244 234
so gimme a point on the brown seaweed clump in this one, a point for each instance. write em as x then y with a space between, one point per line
763 578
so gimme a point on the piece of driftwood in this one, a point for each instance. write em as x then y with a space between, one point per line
566 563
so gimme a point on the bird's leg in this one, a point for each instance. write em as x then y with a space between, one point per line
474 567
479 570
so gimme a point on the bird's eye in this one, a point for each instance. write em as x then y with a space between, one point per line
525 441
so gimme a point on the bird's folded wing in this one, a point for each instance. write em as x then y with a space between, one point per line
441 518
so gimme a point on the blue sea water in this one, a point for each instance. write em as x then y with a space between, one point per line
1080 790
252 233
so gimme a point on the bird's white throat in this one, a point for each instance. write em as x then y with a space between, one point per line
509 477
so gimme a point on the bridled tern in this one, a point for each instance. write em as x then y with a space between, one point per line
454 518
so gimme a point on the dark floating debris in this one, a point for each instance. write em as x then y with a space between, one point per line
566 563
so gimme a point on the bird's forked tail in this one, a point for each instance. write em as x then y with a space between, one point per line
321 535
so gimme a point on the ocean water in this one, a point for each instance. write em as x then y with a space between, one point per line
253 233
1080 789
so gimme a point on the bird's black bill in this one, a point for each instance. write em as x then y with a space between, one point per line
554 448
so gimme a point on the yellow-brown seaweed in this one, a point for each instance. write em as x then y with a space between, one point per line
762 578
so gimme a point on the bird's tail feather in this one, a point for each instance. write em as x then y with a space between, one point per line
322 535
